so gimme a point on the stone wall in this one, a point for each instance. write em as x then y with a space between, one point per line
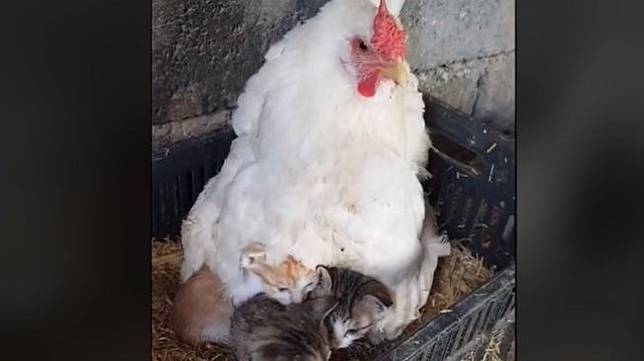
463 53
203 51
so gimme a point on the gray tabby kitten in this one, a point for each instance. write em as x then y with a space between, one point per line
265 330
362 302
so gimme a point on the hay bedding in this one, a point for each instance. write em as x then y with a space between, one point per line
455 277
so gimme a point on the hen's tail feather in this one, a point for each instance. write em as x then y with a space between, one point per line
439 246
413 293
195 239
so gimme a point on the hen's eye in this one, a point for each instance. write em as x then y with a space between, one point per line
363 46
282 289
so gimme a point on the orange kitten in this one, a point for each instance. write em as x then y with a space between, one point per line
288 282
202 309
202 306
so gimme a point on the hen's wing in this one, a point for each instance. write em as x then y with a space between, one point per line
197 229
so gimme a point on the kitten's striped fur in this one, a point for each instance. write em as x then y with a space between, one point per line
265 330
363 301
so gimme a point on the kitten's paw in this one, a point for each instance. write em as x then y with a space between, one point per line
393 333
376 336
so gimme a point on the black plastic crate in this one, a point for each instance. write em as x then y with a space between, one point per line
473 183
469 318
472 189
179 174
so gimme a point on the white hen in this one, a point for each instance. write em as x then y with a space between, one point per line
330 143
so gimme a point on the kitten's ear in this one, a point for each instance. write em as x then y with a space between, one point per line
253 259
252 254
324 279
376 299
323 306
370 305
379 291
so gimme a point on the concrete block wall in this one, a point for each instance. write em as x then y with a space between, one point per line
203 51
463 52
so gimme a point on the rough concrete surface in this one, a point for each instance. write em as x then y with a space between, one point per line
482 87
203 51
495 98
444 31
167 133
463 53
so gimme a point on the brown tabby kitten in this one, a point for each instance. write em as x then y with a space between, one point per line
362 302
263 329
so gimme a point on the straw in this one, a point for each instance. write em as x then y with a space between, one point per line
455 277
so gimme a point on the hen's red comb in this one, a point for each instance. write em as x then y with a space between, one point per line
388 39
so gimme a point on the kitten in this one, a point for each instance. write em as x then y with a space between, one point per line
203 307
266 330
362 302
288 282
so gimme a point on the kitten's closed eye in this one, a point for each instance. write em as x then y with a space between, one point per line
307 291
356 331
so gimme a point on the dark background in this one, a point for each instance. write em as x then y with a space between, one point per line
75 172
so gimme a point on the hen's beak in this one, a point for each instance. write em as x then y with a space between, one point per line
396 72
